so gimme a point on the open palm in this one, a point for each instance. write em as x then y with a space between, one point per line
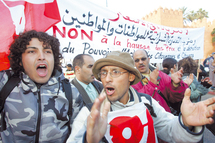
197 114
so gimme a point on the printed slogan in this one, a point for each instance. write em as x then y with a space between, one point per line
86 28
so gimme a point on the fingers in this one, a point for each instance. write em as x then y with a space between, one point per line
209 121
210 103
181 70
157 68
95 113
207 78
187 94
95 110
191 76
171 71
106 109
210 113
98 101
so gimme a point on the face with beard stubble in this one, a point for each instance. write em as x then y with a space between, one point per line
116 88
141 61
38 61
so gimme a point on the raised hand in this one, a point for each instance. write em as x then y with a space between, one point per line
197 114
207 79
97 122
154 75
189 79
176 76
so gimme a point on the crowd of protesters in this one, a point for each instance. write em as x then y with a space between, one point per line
130 101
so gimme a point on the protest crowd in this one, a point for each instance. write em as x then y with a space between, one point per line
118 98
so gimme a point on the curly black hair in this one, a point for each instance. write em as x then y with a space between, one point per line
18 47
189 65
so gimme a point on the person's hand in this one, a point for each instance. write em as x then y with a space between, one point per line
154 75
176 76
197 114
208 80
189 79
96 122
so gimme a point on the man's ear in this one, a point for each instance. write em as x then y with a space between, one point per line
131 77
77 69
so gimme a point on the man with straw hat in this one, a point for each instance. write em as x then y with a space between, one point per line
121 114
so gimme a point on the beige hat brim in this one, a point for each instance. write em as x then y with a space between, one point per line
109 62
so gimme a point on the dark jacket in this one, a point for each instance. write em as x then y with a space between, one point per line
202 74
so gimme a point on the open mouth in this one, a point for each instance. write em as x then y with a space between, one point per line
42 70
110 90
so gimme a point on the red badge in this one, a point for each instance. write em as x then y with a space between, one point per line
125 129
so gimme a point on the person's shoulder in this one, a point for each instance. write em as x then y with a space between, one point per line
145 98
74 89
4 76
98 83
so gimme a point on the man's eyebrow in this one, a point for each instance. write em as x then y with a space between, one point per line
31 47
47 47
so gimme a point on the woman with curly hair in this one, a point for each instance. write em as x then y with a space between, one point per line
197 89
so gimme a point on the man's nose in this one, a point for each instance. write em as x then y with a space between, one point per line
41 56
140 61
108 78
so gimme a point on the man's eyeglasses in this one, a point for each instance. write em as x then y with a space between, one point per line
113 74
142 59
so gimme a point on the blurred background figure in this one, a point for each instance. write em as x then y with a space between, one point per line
197 89
169 63
69 67
212 70
206 61
200 72
69 72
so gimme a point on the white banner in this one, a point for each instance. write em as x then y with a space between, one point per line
91 29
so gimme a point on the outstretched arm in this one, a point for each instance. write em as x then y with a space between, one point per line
97 122
197 114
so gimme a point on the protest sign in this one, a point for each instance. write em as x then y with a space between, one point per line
91 29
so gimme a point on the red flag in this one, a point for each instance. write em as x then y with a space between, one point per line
19 16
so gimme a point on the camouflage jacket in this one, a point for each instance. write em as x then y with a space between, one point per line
31 112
